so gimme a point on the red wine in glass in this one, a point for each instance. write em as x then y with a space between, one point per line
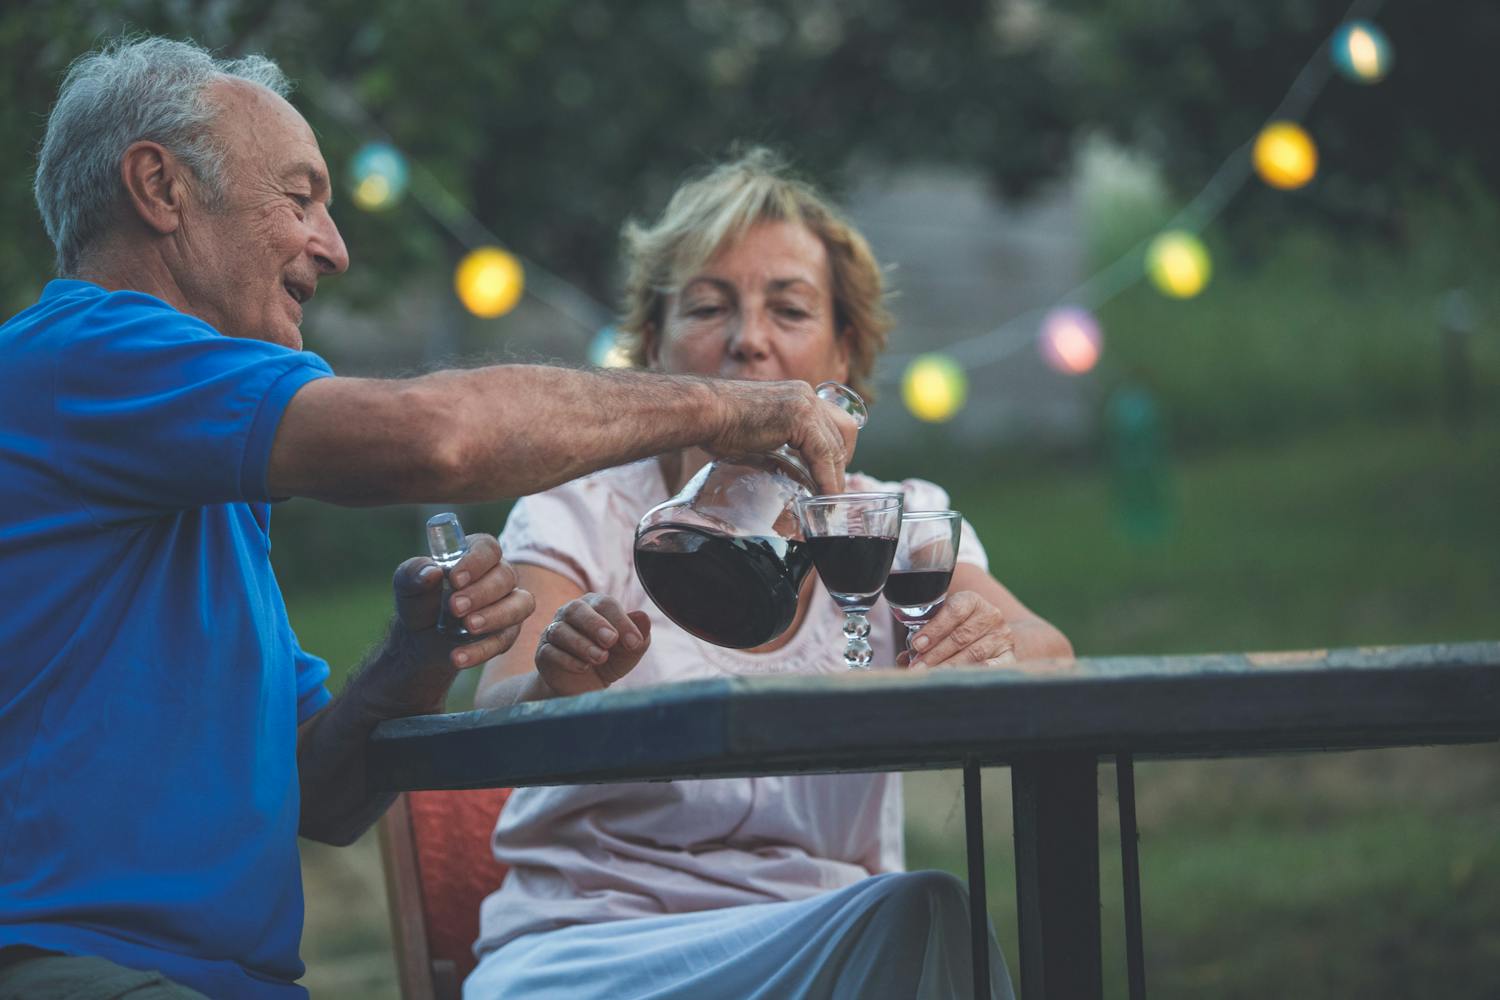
853 564
922 568
914 589
852 538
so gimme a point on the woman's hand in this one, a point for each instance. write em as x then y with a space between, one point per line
591 643
966 629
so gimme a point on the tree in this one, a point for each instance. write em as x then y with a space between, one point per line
554 121
1189 81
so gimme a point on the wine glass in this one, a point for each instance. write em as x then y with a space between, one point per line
922 568
852 537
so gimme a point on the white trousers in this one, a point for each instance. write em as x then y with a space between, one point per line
901 936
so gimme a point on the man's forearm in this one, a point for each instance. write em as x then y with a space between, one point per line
337 805
480 434
570 423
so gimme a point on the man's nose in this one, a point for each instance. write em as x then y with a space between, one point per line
327 247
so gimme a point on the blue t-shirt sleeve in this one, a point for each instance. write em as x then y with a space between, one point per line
159 411
312 687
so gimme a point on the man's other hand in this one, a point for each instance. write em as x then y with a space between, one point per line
484 597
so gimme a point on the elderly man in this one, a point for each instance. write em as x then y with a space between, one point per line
163 738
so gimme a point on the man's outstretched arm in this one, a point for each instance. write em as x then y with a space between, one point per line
510 430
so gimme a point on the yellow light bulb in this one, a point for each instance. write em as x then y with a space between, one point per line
934 388
1285 156
379 175
1178 264
489 282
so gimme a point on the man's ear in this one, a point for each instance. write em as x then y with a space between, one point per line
155 184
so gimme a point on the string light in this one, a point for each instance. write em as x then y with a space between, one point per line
380 173
1178 264
606 351
1361 52
489 282
1285 156
934 388
1070 340
1167 269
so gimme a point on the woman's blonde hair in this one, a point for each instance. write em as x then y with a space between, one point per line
722 205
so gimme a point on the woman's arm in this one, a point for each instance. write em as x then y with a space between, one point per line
511 677
982 620
586 644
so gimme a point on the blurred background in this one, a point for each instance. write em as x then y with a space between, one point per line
1197 323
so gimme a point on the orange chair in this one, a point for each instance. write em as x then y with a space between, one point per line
435 847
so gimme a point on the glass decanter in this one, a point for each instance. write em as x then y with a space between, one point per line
725 558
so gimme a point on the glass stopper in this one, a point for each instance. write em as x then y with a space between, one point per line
845 399
445 539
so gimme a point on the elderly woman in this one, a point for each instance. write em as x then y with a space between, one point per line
763 887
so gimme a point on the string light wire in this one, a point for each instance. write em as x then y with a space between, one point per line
1001 342
563 297
981 350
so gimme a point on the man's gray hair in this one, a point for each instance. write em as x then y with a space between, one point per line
133 89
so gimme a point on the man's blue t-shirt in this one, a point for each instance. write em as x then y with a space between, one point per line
150 682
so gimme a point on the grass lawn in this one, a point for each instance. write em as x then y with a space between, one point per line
1373 874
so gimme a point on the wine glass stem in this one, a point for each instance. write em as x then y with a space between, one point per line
912 629
857 650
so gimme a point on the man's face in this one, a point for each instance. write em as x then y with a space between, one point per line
247 266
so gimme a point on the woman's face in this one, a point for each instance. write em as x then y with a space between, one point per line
761 308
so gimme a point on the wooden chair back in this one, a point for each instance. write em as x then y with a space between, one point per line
435 847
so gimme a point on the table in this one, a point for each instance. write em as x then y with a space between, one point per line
1050 721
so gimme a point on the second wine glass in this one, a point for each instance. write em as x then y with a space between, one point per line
922 568
852 538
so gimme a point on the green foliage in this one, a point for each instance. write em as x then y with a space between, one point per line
1190 81
1324 330
1386 893
552 122
1381 533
